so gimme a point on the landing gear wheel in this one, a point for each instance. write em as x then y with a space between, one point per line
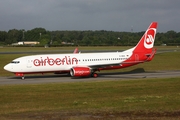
22 78
95 75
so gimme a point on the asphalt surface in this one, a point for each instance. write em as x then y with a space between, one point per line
40 79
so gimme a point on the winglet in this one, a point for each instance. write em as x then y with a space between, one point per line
76 50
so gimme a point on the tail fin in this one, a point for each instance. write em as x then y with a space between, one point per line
146 43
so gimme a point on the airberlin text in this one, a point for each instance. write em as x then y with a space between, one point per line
66 60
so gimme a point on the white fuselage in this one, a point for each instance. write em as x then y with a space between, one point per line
63 62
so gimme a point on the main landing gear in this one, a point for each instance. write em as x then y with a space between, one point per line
95 75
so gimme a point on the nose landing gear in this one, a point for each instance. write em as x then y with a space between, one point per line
21 75
22 78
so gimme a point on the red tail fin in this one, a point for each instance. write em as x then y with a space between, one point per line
146 43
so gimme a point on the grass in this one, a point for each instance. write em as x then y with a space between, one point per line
70 48
81 48
147 95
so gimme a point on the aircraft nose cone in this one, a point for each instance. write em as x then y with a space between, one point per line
7 67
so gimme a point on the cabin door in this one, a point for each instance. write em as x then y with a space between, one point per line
29 63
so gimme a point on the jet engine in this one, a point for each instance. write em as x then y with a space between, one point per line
80 71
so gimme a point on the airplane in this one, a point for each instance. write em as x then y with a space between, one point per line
86 64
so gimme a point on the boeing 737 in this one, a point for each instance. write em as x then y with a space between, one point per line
86 64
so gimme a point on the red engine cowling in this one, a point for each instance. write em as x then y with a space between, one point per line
80 71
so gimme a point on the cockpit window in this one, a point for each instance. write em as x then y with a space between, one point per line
15 62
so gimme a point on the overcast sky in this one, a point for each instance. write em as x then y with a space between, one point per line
114 15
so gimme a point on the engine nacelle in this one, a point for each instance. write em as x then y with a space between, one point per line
80 72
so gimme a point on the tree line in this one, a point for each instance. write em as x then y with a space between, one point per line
84 38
